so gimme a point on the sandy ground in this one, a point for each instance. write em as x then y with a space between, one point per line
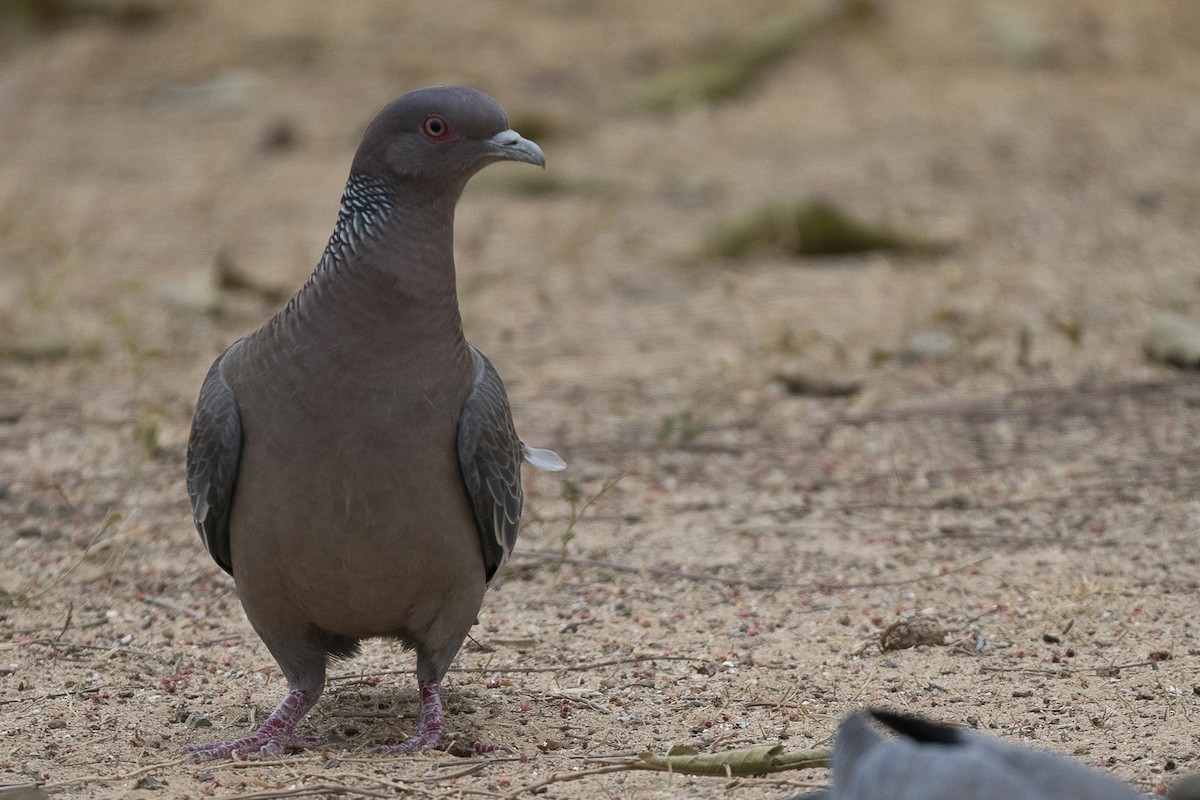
1029 482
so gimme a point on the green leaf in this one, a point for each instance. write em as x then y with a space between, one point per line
1174 340
814 228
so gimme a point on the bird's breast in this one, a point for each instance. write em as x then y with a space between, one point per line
354 494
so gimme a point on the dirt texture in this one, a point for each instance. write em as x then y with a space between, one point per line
728 558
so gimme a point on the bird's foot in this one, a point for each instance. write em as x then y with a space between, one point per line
277 733
430 727
422 741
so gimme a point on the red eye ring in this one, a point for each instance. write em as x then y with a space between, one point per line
435 126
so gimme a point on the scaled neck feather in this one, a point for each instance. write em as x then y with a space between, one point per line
366 204
385 285
386 237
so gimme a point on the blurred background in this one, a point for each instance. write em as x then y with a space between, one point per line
809 292
171 169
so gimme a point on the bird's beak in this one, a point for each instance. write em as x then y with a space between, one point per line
511 146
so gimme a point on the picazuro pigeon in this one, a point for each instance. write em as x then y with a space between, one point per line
353 462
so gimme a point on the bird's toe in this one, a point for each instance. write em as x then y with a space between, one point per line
422 741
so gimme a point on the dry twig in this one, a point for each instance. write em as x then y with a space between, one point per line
124 776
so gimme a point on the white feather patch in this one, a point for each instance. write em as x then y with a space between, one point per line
547 460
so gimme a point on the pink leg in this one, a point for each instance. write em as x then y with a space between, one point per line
274 736
429 727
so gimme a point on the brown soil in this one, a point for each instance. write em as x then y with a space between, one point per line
1030 483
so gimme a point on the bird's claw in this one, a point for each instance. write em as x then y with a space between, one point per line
422 741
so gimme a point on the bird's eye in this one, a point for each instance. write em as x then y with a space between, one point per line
435 127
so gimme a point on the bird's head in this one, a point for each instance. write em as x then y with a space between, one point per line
440 137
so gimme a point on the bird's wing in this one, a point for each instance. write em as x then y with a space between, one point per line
214 447
489 454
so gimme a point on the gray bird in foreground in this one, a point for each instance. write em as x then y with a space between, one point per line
353 462
928 761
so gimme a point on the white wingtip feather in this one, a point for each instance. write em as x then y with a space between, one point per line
547 460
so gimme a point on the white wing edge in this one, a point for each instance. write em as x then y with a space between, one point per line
547 460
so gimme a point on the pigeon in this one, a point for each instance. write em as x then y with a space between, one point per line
353 463
929 761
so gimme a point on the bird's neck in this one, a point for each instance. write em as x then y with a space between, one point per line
389 266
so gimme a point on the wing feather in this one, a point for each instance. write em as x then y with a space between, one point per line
214 448
490 454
